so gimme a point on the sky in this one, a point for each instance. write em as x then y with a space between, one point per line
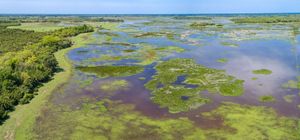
147 6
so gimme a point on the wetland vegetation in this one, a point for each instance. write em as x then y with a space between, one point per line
150 77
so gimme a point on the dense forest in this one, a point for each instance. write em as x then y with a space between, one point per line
27 60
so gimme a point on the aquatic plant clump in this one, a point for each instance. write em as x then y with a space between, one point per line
262 71
202 25
251 122
222 60
268 98
289 98
293 84
178 97
112 71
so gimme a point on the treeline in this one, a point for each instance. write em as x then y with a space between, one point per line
267 19
4 24
23 71
16 39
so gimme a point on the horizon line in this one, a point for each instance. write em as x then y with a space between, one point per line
150 13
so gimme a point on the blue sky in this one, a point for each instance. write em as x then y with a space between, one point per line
147 6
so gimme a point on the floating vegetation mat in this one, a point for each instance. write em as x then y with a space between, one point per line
178 97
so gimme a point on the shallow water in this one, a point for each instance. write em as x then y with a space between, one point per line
266 50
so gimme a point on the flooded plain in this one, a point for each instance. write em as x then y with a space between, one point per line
131 81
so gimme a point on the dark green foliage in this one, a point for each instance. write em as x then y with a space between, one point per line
29 62
4 24
16 39
264 19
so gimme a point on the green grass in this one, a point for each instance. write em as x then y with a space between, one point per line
267 98
39 27
19 125
262 72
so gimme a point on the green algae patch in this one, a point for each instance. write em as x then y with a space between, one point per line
289 98
267 98
112 86
222 60
252 122
112 71
254 78
111 120
180 97
142 78
262 72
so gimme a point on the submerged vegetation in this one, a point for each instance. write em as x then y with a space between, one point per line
112 71
93 120
248 122
115 85
178 97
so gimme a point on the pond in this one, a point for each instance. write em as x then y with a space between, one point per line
154 72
